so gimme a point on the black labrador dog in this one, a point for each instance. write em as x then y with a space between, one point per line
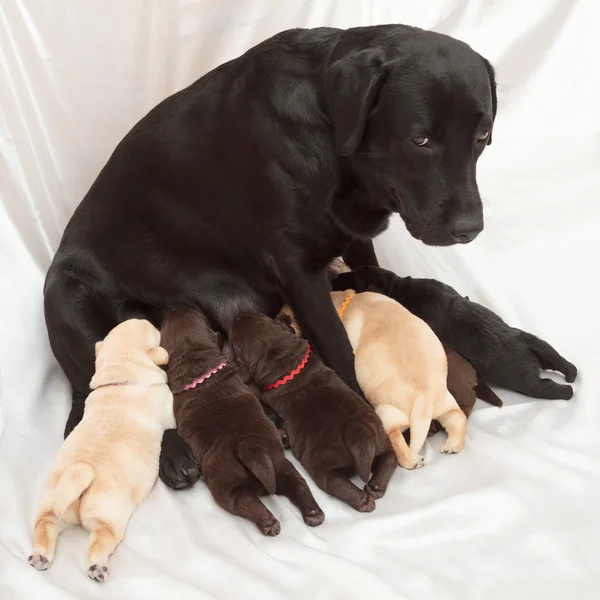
499 353
237 192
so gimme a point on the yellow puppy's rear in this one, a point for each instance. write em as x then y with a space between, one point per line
109 463
402 369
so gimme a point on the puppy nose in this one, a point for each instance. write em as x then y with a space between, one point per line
464 231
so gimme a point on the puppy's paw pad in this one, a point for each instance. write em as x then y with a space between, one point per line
314 517
98 573
39 561
367 504
451 448
271 529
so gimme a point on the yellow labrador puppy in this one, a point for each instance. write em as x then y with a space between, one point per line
109 463
402 369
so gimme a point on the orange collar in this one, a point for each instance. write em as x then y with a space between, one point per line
292 374
345 303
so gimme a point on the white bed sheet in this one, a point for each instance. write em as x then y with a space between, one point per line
515 515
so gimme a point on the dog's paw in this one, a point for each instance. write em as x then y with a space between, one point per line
374 490
416 461
98 573
367 504
449 448
272 528
570 373
314 517
39 561
178 468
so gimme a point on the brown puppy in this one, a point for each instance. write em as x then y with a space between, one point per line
465 386
332 431
238 449
402 369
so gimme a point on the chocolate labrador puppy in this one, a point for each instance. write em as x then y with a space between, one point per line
332 431
465 386
500 354
238 191
238 449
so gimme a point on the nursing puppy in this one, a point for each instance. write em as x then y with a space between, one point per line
332 431
462 381
500 354
238 449
109 463
402 369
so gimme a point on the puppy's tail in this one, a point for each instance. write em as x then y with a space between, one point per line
360 440
72 483
256 459
486 393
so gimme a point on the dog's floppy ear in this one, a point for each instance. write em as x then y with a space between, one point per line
98 347
352 84
158 355
492 78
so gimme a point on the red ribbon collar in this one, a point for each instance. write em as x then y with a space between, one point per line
292 373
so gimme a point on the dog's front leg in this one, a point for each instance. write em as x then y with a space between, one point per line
360 253
308 295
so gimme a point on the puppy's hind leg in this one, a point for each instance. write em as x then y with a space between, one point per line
384 466
340 487
105 536
293 486
395 422
549 358
420 421
45 534
249 507
454 421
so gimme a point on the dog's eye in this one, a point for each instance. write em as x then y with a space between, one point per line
423 142
484 135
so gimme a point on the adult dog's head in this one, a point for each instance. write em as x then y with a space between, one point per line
413 112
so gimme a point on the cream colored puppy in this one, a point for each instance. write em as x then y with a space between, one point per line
402 369
109 463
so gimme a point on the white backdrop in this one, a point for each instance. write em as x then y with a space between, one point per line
515 515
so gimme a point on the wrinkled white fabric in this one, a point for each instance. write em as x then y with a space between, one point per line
515 515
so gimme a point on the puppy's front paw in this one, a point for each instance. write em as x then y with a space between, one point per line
39 561
98 573
452 448
178 468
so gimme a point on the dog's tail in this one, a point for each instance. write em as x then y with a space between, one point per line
486 393
72 483
360 440
256 459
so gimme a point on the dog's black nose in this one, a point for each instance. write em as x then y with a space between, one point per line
464 231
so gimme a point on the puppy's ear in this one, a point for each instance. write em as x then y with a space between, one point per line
352 85
158 355
285 322
492 78
98 347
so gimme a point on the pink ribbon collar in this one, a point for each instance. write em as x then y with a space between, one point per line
204 377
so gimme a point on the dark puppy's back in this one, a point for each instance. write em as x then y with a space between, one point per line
220 412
